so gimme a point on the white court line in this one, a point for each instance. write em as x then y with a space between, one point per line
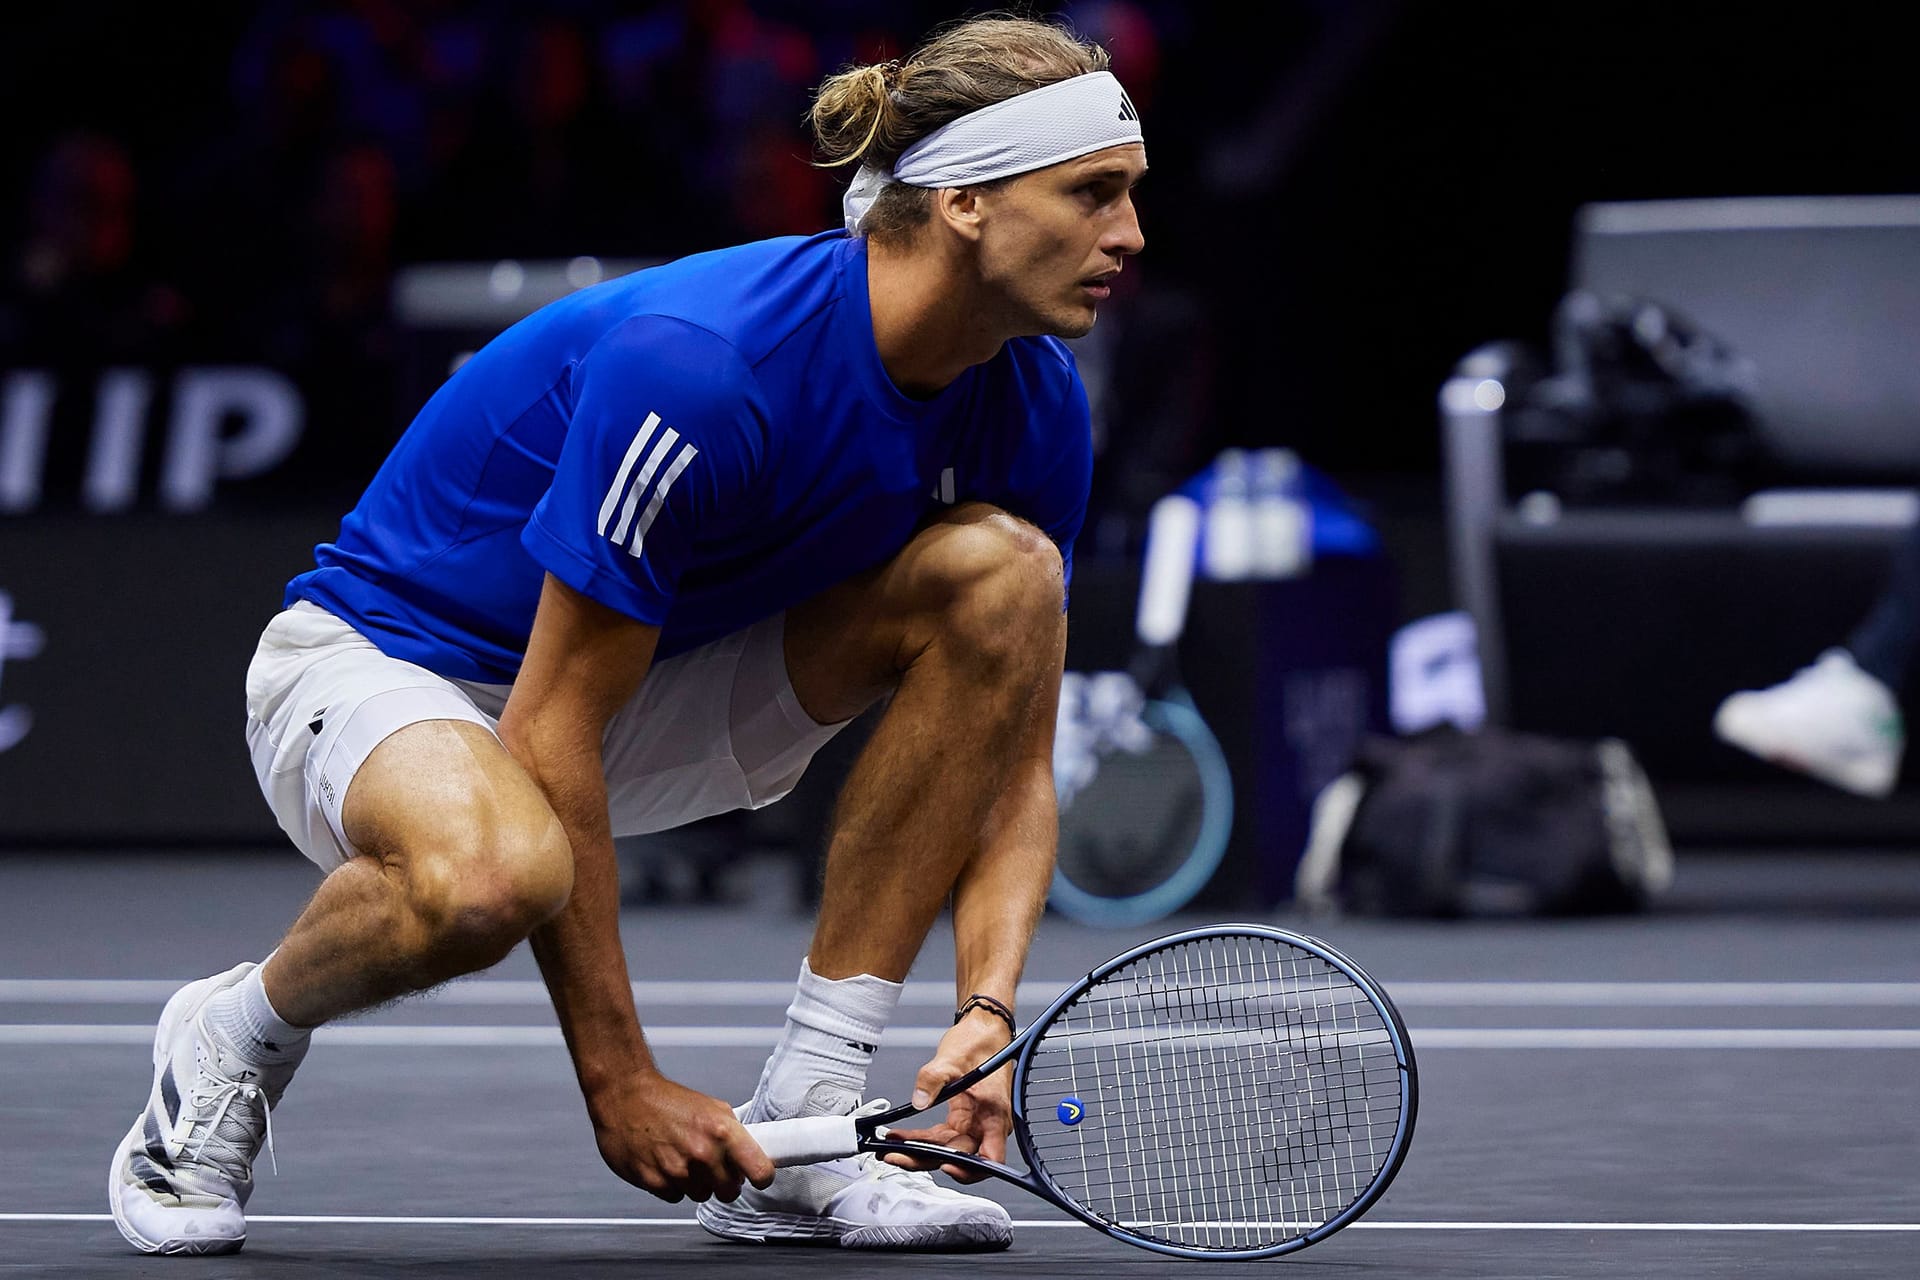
431 1037
372 1220
1634 1226
1655 994
501 992
506 992
1664 1038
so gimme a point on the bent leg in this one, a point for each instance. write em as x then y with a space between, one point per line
965 628
458 859
461 858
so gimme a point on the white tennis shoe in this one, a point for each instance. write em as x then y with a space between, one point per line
182 1175
1831 721
860 1202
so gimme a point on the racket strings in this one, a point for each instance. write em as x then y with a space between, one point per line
1237 1092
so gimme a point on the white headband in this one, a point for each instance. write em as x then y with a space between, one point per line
1061 121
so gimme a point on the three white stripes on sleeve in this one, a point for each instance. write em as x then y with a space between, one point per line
637 489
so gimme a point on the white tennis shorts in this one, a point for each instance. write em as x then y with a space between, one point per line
710 730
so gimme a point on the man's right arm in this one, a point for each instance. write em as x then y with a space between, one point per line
583 662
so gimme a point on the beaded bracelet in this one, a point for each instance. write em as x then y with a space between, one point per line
992 1006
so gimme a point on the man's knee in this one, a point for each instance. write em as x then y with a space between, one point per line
464 835
977 586
994 582
492 880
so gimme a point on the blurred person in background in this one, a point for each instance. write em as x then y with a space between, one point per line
1839 718
328 323
634 563
245 194
76 288
755 67
541 167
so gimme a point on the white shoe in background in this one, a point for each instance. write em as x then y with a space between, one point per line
1831 721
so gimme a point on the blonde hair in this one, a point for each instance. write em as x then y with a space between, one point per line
871 114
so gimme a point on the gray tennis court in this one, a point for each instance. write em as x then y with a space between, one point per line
1723 1087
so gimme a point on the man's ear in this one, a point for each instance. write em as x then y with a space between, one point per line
959 209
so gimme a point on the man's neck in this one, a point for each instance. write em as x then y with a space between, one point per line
929 325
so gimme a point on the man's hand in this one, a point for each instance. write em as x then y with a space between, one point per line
676 1142
979 1118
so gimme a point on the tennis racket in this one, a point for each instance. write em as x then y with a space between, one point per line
1234 1091
1146 794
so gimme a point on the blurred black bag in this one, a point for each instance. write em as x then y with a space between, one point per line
1488 823
1641 405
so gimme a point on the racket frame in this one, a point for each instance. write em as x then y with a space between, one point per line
872 1130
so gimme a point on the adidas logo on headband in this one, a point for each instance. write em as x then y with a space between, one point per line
1126 107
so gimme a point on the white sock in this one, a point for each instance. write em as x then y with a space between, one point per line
244 1017
833 1027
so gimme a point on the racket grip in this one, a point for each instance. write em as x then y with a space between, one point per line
1166 577
807 1140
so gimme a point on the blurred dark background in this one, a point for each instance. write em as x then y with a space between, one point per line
1346 197
1346 194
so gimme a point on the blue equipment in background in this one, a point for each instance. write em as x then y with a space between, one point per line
1282 671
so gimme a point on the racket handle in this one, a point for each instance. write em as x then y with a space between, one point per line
1166 577
807 1140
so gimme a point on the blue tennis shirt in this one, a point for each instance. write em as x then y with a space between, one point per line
698 445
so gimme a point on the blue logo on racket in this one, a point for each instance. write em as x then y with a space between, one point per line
1070 1111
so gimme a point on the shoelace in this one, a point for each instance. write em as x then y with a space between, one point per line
881 1171
214 1096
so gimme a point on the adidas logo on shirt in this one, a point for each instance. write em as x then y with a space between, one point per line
656 441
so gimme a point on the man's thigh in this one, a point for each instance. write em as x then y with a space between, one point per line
321 700
712 730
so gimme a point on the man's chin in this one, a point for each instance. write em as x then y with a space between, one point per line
1073 324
